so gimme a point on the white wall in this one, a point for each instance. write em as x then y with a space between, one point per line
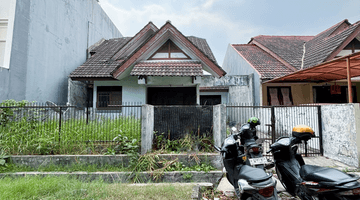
7 14
50 39
234 64
131 91
341 132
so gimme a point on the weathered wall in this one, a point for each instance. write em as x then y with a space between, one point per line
240 88
340 127
131 90
50 40
234 64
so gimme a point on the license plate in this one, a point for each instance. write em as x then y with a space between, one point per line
258 161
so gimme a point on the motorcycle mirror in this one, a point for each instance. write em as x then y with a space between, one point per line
234 129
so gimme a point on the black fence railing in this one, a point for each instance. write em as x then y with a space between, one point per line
177 121
63 123
278 121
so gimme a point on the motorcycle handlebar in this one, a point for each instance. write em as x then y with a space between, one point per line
217 148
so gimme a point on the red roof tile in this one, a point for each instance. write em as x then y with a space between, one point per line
264 63
111 54
288 48
296 52
183 68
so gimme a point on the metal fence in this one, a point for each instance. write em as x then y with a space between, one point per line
177 121
278 121
65 123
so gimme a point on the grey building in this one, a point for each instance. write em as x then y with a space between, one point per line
42 42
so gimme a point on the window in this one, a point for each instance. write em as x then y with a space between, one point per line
108 96
169 51
3 30
279 96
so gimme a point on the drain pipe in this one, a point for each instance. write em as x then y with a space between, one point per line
303 57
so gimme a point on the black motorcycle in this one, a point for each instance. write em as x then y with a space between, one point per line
252 147
308 181
249 182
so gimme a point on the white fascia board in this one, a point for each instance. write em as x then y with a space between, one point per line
9 34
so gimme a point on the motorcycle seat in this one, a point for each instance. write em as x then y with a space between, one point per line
252 174
325 176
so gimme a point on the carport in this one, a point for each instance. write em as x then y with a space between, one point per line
340 68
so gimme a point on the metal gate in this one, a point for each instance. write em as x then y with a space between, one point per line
177 121
278 121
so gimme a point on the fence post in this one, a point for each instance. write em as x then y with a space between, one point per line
219 123
320 130
147 128
59 122
273 124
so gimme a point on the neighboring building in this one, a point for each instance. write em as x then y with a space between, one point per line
156 66
269 57
42 42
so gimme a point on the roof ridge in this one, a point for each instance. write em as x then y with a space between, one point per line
284 36
333 26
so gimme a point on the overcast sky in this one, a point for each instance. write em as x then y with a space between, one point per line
224 22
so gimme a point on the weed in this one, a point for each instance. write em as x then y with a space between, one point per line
187 143
187 176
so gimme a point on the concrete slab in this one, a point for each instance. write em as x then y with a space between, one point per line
227 188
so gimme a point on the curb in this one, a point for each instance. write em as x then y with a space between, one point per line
128 177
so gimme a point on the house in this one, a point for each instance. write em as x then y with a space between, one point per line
271 57
157 66
42 42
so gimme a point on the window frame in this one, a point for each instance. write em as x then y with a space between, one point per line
279 95
111 104
169 47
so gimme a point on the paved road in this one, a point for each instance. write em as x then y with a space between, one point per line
227 188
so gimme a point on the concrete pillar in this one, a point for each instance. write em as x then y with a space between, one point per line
197 94
147 128
219 123
357 126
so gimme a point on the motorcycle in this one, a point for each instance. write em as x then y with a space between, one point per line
309 181
248 182
253 149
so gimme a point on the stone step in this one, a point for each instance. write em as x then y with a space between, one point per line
129 177
44 160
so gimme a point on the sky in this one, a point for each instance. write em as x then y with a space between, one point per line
224 22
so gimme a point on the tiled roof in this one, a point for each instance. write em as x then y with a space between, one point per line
264 63
203 46
99 65
288 48
275 53
182 68
321 46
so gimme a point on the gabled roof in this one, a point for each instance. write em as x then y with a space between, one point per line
289 49
261 61
165 32
326 45
301 52
114 57
99 65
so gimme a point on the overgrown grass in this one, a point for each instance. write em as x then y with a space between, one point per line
67 188
24 137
